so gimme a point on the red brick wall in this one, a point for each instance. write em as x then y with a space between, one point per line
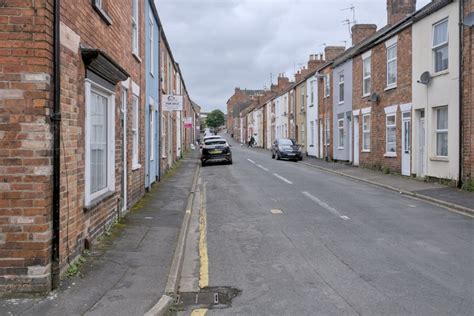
325 112
26 144
114 40
468 98
400 95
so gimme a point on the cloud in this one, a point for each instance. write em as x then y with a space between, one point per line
223 44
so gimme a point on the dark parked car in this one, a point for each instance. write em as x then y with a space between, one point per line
284 148
215 150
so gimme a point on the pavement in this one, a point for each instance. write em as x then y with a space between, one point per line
298 240
126 273
451 197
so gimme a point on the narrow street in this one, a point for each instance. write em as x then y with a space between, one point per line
298 241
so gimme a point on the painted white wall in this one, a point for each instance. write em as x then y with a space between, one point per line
312 116
268 107
442 90
281 115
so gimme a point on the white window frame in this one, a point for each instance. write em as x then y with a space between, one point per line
135 131
440 45
312 92
390 61
90 87
366 130
135 29
152 43
327 131
311 128
341 86
327 86
393 127
303 97
340 129
441 131
162 70
365 57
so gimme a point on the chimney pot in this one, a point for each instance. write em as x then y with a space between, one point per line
331 52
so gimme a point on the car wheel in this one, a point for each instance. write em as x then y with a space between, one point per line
278 156
230 162
273 155
203 164
301 158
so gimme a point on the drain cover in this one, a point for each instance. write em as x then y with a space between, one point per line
209 297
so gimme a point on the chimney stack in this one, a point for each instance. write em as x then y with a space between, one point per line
298 76
314 62
361 31
397 10
283 82
331 52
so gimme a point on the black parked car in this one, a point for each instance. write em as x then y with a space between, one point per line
284 148
216 149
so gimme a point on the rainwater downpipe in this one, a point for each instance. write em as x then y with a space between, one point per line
56 120
461 85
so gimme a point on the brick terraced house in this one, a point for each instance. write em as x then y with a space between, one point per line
73 113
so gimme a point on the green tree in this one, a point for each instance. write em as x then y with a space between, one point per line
215 119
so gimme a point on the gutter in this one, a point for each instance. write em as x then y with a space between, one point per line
56 120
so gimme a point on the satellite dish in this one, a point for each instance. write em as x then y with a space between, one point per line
469 20
374 97
425 78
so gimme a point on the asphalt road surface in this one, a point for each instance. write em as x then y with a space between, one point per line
298 241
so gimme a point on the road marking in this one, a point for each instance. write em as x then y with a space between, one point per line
199 312
203 257
283 179
276 211
262 167
325 205
251 161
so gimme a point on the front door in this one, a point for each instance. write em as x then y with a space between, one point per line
421 147
406 144
356 140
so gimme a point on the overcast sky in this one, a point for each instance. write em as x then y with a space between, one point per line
223 44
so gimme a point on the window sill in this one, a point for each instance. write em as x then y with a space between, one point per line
340 103
137 57
340 148
136 167
365 96
439 158
92 204
440 73
390 155
388 88
365 150
105 17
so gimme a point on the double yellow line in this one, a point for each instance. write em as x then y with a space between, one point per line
203 257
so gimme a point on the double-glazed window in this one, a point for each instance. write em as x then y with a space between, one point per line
135 131
366 75
135 36
311 83
327 130
440 46
340 128
151 43
327 86
341 88
392 66
152 131
303 97
391 134
100 141
442 131
366 132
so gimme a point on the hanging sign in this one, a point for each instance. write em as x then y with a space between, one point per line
172 102
188 122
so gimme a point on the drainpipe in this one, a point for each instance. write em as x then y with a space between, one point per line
461 84
56 119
